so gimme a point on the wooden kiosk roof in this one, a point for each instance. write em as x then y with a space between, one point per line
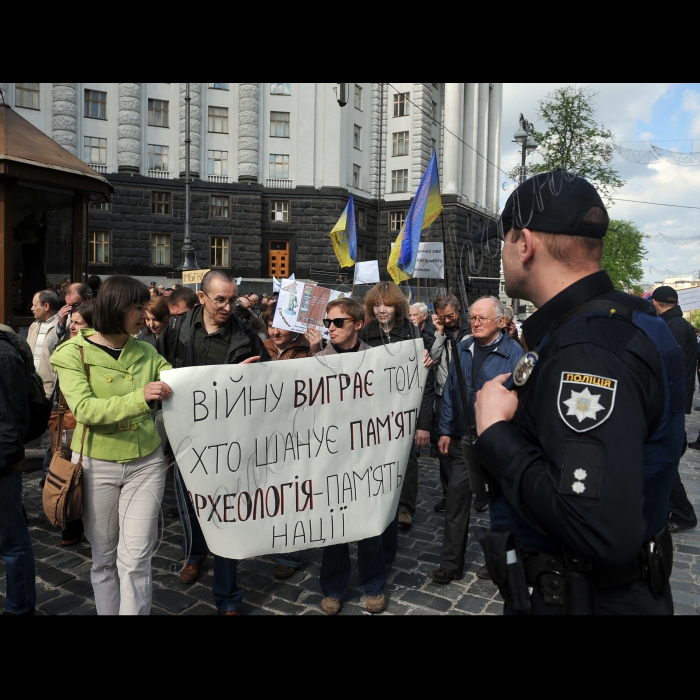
29 154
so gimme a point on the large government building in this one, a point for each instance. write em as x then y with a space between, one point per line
272 166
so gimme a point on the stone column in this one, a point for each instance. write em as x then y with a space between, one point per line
421 144
129 128
469 159
374 140
248 132
64 123
195 127
451 146
494 142
482 143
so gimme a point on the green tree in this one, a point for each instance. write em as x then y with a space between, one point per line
573 139
623 255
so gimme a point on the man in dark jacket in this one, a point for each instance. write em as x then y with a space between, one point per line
450 323
180 301
487 354
211 334
15 544
665 299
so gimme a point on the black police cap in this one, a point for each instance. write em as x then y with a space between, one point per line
551 202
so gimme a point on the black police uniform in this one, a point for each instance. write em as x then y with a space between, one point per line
571 464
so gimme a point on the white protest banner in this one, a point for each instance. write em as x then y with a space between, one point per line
689 299
283 456
367 272
430 262
302 304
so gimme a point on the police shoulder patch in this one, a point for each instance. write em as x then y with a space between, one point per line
585 400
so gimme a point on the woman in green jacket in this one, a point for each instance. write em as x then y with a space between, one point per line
123 464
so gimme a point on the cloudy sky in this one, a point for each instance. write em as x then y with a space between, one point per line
665 114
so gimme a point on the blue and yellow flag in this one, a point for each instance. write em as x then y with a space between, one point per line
425 208
344 236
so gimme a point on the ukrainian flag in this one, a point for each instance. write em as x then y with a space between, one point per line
425 208
344 236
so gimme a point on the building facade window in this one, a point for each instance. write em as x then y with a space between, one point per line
279 211
356 176
357 137
219 206
218 120
396 220
358 97
95 150
279 166
218 86
99 206
399 180
279 124
219 247
27 95
158 113
360 252
95 104
161 203
360 218
280 89
399 143
401 104
98 246
160 250
217 163
158 157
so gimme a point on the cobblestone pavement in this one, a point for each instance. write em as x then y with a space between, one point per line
63 575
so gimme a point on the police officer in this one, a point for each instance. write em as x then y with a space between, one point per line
584 452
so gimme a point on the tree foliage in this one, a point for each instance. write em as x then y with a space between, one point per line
623 254
573 139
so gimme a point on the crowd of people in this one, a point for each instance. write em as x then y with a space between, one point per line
572 512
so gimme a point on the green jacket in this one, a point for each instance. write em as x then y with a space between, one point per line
111 404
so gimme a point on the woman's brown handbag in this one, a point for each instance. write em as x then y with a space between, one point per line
60 420
63 489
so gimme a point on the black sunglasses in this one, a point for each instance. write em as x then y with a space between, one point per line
337 322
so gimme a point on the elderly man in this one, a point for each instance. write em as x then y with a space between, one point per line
418 314
45 306
448 323
487 354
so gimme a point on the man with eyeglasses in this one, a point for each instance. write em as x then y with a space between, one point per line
449 324
211 334
488 354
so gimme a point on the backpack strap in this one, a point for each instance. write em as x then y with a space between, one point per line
87 374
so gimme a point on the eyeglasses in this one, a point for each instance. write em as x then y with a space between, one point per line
481 319
450 317
220 303
337 322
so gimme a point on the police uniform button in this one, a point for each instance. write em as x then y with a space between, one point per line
127 377
134 427
554 584
140 407
108 379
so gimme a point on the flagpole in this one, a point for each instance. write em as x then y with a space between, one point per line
444 246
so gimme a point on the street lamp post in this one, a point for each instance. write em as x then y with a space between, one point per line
188 259
524 137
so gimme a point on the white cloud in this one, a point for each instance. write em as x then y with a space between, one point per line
691 103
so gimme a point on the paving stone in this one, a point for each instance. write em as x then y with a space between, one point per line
53 576
683 609
284 606
284 590
173 601
494 609
252 579
425 600
483 588
63 604
200 609
409 580
472 604
81 588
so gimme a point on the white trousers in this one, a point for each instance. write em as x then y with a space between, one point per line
122 505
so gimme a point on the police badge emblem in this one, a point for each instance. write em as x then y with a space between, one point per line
524 368
585 401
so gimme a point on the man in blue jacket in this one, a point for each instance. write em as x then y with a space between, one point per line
483 356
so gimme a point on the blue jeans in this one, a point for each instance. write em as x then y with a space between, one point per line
227 595
16 547
371 568
292 559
